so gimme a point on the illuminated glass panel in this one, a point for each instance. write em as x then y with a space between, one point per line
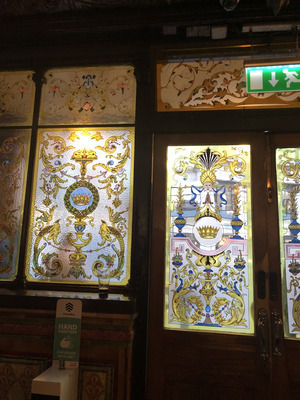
81 206
14 152
214 84
17 91
288 183
91 95
209 284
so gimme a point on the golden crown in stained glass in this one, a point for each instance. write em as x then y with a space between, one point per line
208 232
81 199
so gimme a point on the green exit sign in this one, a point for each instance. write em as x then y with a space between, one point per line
273 78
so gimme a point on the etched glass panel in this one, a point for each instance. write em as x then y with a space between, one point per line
288 184
209 283
98 95
17 91
81 206
192 85
14 153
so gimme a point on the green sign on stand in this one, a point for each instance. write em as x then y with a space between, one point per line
273 78
67 333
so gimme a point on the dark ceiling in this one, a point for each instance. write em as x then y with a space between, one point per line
25 21
12 8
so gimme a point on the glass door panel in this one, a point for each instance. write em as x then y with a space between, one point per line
209 271
288 185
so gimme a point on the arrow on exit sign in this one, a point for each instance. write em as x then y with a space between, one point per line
273 78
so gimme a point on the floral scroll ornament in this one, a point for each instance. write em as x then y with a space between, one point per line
93 95
209 161
12 156
290 167
188 307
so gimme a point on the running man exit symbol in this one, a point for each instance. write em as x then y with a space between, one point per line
276 78
291 76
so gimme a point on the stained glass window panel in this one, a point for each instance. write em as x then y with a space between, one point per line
81 206
17 91
288 183
191 85
209 283
14 153
91 95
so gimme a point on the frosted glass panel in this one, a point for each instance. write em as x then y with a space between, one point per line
202 84
81 206
288 180
98 95
17 91
14 150
209 285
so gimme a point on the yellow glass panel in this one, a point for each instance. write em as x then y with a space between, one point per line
202 84
14 153
209 282
90 95
288 184
17 91
81 208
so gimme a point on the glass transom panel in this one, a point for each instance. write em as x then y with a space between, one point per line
214 84
208 283
17 91
91 95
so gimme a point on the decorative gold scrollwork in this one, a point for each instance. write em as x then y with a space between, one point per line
291 167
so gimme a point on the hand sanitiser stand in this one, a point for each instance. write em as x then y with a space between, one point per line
55 384
60 381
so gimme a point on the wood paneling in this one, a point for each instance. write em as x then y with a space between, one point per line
106 347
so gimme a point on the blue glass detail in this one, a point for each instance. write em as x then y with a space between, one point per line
236 225
180 223
294 227
206 324
235 288
79 228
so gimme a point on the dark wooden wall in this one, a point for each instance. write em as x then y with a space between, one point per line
40 42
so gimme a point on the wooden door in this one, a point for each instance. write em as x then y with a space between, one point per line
198 348
284 266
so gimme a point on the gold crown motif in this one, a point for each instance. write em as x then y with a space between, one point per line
81 199
84 155
208 212
208 232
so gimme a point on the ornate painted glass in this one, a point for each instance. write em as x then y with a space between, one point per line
91 95
17 91
81 210
212 85
288 183
14 153
209 283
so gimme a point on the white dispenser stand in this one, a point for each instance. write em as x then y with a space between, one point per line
60 383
